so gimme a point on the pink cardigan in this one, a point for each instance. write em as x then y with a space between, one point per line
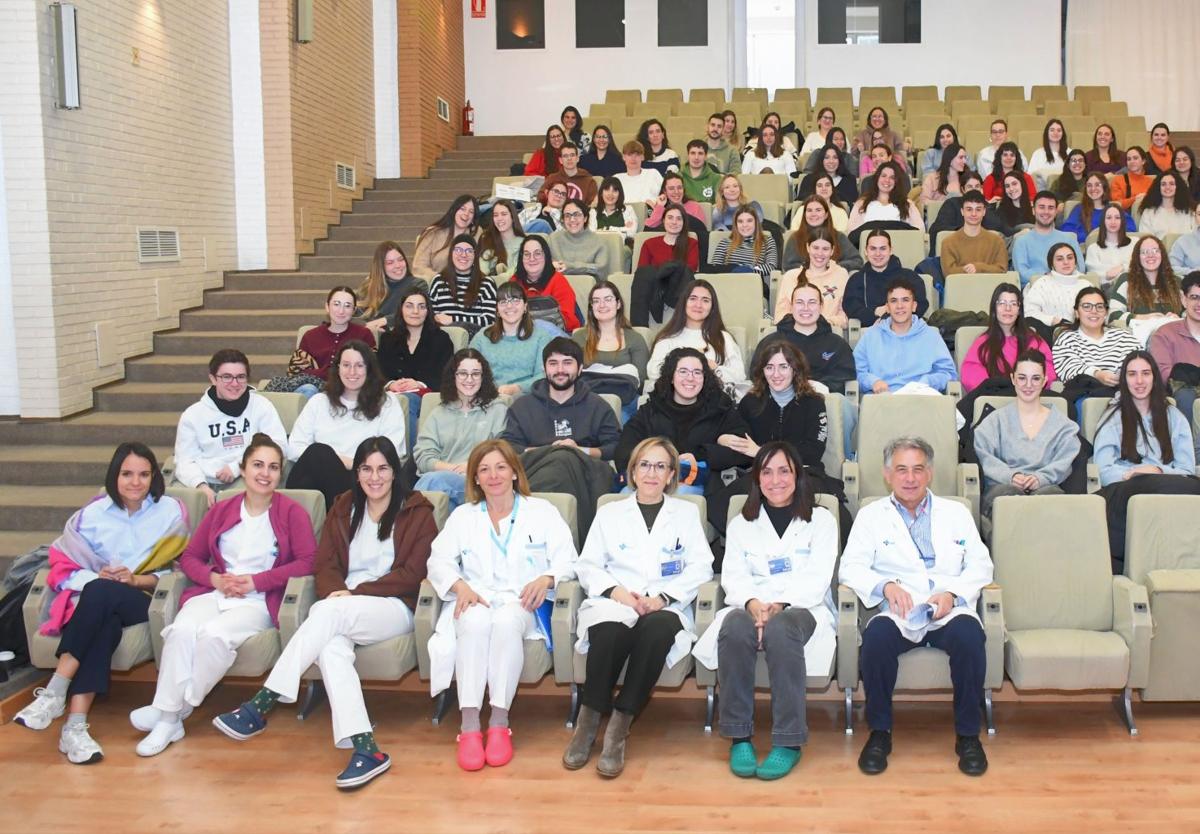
973 372
297 547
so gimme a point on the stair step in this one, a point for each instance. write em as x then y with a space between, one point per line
18 543
155 368
169 397
182 343
111 428
31 508
337 263
51 465
375 232
291 280
215 321
310 298
523 144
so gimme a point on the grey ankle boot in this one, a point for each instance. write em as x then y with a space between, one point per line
612 757
587 725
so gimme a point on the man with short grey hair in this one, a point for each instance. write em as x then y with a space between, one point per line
920 559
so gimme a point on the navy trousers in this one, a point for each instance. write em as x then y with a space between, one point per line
961 638
104 608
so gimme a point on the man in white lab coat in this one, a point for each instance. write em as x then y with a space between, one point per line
920 558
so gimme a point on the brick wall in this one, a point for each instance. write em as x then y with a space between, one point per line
431 65
150 147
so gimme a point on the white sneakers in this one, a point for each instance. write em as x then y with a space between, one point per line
79 745
45 708
164 734
144 718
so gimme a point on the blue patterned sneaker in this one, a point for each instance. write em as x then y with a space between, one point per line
243 723
363 767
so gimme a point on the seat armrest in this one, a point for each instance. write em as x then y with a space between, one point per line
567 599
298 597
429 608
851 485
164 606
954 389
709 601
1131 620
968 487
36 606
853 331
991 612
852 392
847 638
1093 478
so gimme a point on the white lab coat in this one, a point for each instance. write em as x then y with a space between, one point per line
539 544
620 551
881 549
802 581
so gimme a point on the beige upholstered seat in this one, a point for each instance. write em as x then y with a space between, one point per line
1161 555
1070 624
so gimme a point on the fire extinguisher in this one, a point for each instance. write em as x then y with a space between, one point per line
468 119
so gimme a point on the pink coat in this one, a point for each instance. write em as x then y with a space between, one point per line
973 372
297 547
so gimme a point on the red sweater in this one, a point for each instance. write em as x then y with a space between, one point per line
993 189
321 343
537 162
559 288
656 253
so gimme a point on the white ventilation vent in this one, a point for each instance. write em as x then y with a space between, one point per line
157 245
443 110
345 176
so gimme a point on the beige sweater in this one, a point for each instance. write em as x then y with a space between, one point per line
833 286
986 250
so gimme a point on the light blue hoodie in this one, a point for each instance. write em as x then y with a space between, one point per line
920 355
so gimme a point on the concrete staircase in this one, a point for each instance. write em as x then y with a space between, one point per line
50 468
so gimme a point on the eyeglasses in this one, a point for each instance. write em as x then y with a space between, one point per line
1093 306
573 215
383 471
533 255
465 375
603 301
693 373
510 302
228 378
463 250
558 192
655 466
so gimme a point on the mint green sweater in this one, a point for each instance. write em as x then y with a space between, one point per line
515 361
449 433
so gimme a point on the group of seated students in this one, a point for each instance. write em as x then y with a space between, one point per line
520 410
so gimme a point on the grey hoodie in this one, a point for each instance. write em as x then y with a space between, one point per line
537 420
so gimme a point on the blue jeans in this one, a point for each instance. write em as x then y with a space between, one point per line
451 483
413 401
308 391
1185 398
628 410
849 423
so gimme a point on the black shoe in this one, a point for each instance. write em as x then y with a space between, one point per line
971 758
873 758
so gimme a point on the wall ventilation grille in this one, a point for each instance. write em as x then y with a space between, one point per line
345 176
157 245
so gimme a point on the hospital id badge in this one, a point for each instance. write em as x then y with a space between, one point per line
672 568
781 565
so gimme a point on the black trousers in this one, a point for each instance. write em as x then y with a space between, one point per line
104 608
961 638
1116 499
321 469
645 647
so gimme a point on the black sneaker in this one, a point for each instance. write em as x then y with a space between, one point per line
971 758
873 758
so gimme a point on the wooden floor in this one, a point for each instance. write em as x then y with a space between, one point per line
1054 767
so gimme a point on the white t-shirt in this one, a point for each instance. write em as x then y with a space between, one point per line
248 547
645 186
370 558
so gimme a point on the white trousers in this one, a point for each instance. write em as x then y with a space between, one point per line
328 637
200 646
490 653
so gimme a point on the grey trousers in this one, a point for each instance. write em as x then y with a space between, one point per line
737 654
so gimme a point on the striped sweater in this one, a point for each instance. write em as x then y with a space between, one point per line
480 314
1075 353
743 255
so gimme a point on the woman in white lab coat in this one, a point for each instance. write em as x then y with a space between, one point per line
643 563
780 555
497 559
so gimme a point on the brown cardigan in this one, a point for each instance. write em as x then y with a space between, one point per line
412 537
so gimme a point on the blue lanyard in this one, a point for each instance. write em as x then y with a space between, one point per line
512 523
